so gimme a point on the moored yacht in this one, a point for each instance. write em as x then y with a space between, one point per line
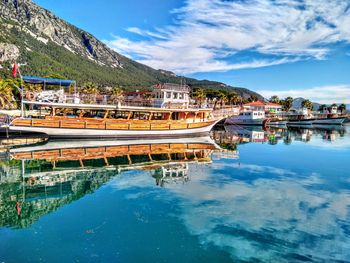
79 120
251 117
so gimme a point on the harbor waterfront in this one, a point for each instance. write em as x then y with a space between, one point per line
244 194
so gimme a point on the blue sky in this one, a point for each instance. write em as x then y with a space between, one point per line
285 47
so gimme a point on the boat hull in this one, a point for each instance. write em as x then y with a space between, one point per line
233 121
277 123
329 121
101 133
300 123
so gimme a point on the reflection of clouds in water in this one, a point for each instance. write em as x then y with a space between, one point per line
280 219
252 168
268 219
333 142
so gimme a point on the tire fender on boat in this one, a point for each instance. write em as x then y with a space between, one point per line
30 96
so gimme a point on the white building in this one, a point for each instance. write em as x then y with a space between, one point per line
171 95
263 106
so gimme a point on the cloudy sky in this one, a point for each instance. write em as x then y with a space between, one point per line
285 47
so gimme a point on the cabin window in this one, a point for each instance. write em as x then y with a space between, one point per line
157 116
175 116
137 115
175 95
181 96
168 95
120 114
99 114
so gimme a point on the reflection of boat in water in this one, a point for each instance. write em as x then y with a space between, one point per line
272 135
247 134
108 153
60 172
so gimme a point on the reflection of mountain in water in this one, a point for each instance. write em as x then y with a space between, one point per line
45 177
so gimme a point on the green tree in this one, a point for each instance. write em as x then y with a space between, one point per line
234 98
287 103
117 95
322 107
274 99
200 95
55 76
222 98
90 88
7 99
307 104
253 98
342 108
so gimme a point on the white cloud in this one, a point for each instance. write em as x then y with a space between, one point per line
207 32
324 94
266 217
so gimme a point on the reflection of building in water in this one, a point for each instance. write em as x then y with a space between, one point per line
45 177
171 174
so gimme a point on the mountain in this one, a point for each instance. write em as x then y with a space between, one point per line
46 44
297 104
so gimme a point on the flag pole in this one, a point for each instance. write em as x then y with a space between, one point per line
21 88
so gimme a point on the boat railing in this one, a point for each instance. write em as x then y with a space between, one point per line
108 99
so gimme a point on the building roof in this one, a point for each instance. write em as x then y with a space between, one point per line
261 104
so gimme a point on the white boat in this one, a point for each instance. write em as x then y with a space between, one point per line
329 121
247 118
302 122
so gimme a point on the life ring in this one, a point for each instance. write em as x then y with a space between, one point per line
30 96
265 122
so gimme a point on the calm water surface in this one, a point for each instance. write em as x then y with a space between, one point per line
273 196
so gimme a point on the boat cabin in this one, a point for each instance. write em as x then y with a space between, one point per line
170 95
251 115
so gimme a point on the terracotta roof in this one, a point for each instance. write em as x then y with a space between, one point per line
261 104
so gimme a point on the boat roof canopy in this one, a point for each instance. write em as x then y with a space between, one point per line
48 81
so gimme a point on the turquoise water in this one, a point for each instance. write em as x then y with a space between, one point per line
274 196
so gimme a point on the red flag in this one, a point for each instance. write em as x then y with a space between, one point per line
14 70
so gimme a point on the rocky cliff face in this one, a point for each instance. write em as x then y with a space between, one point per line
8 52
45 26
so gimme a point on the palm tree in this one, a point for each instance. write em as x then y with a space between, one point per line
7 100
222 98
90 88
307 104
342 108
91 91
253 98
274 99
234 98
287 103
322 107
117 95
200 95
